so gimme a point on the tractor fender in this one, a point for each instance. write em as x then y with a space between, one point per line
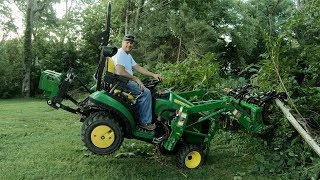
108 102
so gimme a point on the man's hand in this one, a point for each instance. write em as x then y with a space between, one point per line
138 81
157 77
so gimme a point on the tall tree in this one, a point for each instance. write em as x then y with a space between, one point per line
138 12
128 12
32 8
39 13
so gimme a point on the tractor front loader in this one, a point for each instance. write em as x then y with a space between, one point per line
186 122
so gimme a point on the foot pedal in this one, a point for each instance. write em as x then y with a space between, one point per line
157 140
145 130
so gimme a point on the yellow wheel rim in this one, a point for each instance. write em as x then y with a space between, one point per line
102 136
193 159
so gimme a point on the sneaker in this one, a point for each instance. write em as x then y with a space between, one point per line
149 127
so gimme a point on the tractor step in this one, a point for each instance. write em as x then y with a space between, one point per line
144 135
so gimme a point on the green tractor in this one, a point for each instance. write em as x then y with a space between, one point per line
186 122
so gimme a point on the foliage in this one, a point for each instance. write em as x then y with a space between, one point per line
10 68
283 66
287 153
304 34
196 73
192 73
7 25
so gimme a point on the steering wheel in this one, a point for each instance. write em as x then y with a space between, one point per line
151 84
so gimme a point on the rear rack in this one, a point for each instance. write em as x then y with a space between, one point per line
57 89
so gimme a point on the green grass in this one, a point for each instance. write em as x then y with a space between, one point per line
38 142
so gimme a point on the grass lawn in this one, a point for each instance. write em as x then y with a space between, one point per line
38 142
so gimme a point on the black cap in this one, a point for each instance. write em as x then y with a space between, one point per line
128 37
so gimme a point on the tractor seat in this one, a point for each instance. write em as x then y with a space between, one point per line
114 83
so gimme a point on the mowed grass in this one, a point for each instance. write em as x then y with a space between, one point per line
38 142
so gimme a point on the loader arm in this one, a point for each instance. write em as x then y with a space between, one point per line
198 122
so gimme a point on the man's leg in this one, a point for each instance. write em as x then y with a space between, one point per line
143 104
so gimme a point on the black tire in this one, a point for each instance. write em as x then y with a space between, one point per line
190 157
101 134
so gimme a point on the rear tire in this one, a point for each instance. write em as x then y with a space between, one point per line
101 134
190 157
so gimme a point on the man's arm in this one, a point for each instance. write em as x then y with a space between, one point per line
144 71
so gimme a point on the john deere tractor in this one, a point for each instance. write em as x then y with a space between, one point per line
186 122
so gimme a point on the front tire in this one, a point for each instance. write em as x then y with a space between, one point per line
190 157
101 134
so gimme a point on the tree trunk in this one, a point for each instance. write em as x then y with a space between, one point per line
298 4
126 28
139 10
179 49
68 7
311 142
28 48
126 23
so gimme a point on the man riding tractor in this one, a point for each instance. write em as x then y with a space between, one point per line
124 65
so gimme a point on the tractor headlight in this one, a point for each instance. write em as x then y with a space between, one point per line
178 112
182 116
